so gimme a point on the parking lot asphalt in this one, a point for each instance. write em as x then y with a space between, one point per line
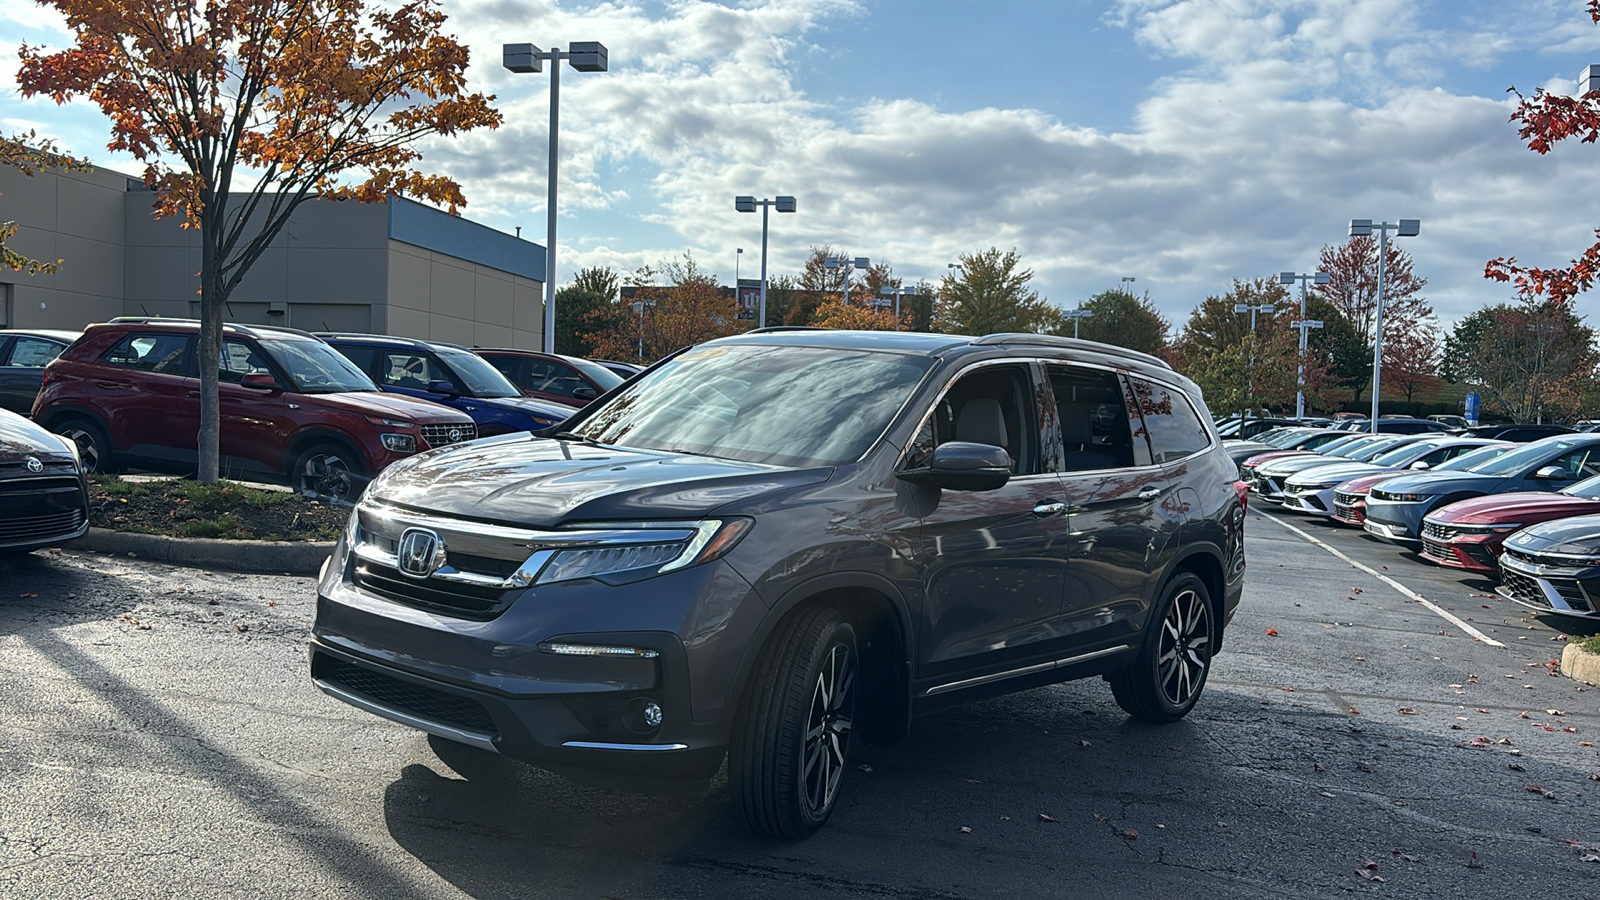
159 738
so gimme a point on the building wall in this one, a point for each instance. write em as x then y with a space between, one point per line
438 297
76 217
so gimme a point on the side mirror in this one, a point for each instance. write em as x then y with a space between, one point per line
443 387
260 381
585 393
1420 466
1553 473
964 466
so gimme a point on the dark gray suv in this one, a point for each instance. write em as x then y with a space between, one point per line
773 545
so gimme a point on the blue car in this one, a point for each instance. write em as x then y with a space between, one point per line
451 375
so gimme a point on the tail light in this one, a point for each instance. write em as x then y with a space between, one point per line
1242 489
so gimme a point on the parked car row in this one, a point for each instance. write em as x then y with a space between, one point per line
326 412
1479 500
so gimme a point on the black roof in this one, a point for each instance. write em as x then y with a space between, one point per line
351 337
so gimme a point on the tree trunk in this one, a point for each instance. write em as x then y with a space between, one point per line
212 298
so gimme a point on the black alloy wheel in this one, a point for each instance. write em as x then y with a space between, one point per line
94 448
791 747
328 471
1165 681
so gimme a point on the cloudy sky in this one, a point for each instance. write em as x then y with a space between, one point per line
1181 142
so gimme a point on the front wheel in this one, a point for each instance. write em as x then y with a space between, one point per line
1166 679
329 471
94 447
792 742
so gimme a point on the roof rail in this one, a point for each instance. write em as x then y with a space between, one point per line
1052 340
250 330
419 342
772 329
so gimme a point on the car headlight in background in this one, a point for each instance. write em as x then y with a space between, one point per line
711 539
400 443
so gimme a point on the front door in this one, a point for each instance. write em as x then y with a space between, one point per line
992 562
255 427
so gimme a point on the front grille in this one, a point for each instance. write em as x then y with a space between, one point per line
1435 550
1480 555
1569 591
45 527
403 696
1523 588
1520 556
467 600
440 435
1438 532
1354 514
1342 499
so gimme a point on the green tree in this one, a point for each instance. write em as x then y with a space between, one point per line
917 308
1123 319
28 154
988 294
593 290
781 293
1530 360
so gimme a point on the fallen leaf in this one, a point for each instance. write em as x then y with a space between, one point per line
1287 689
1407 711
29 594
1554 712
1047 818
1130 834
1517 767
1100 819
1271 632
1535 789
1473 862
966 829
1082 742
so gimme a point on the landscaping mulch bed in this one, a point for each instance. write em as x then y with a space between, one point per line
229 510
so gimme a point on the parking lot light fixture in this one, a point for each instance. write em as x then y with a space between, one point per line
748 204
1364 228
585 56
846 263
1304 325
1252 309
1077 315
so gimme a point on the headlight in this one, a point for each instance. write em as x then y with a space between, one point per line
710 540
77 458
400 443
1398 498
391 423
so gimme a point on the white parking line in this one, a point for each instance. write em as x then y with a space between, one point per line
1409 593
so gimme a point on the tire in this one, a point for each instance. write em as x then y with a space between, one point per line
1166 679
94 447
791 745
330 471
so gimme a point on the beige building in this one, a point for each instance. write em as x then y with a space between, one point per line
397 268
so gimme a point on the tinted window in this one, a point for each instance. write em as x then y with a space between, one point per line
363 357
1175 428
316 368
483 380
1584 463
1004 390
1525 455
410 369
240 359
1092 414
34 352
604 379
164 353
552 378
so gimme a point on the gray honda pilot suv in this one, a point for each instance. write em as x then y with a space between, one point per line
771 546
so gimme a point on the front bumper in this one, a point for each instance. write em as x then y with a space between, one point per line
496 683
43 510
1563 589
1400 523
1473 551
1350 509
1317 501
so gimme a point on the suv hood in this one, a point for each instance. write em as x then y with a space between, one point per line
1579 536
395 406
542 482
555 412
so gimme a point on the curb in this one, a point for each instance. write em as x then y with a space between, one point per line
280 557
1580 664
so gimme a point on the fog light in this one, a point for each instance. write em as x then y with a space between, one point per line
641 715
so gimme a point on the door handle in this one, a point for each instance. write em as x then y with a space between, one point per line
1046 508
1150 493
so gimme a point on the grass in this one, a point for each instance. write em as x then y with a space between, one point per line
1590 644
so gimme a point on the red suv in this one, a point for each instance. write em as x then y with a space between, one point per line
128 392
545 376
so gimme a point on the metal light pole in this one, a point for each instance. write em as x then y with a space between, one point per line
845 263
1252 309
1364 228
747 204
1304 325
585 56
738 254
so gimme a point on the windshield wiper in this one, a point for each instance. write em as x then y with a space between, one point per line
574 436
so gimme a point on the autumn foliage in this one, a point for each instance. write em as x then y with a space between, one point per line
1546 120
243 109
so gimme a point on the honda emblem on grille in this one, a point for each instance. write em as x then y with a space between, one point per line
421 552
34 465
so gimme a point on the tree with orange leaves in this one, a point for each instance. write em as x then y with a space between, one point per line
1548 119
242 110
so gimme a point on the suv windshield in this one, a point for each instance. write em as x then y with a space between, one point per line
779 405
482 379
1403 454
315 367
603 377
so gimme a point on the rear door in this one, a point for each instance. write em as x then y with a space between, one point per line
151 399
22 370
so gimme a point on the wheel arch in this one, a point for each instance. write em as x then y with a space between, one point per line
1206 563
308 438
879 613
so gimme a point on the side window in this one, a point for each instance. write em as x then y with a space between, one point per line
240 359
1093 416
1175 428
33 352
167 354
553 378
404 368
1583 463
990 405
512 367
362 357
